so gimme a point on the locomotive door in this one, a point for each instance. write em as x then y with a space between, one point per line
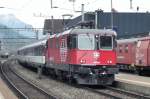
63 50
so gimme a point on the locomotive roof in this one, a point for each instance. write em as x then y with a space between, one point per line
84 31
93 31
42 42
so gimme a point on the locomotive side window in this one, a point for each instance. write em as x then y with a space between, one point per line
86 41
74 41
63 43
57 43
106 42
71 41
51 43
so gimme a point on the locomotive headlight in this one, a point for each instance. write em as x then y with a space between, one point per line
96 55
109 61
82 61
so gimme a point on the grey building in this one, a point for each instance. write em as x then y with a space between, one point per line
126 24
54 25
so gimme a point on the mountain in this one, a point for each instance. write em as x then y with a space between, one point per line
11 37
10 21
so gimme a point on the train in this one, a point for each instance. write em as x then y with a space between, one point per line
134 54
4 55
86 56
32 54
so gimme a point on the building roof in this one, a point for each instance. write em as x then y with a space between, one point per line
57 27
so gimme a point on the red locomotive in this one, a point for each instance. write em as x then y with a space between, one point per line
134 54
86 55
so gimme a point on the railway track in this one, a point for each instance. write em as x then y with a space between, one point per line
116 93
111 93
23 88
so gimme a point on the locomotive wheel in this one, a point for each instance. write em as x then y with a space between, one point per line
141 72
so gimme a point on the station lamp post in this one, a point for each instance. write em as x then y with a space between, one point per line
52 5
112 21
82 12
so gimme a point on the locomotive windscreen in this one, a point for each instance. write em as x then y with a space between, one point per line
105 42
92 42
86 42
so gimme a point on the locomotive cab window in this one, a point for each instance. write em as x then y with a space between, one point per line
106 42
86 41
57 43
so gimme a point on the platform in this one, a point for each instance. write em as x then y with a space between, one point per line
133 82
5 92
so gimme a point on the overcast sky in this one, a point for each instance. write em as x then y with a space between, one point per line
35 11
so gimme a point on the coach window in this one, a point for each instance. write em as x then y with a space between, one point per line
126 48
35 51
39 50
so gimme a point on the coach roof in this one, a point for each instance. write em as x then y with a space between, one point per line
38 43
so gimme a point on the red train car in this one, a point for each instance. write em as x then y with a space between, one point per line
126 51
134 54
87 56
143 54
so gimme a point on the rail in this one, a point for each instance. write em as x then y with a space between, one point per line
24 88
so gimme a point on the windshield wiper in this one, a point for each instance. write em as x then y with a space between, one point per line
90 39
